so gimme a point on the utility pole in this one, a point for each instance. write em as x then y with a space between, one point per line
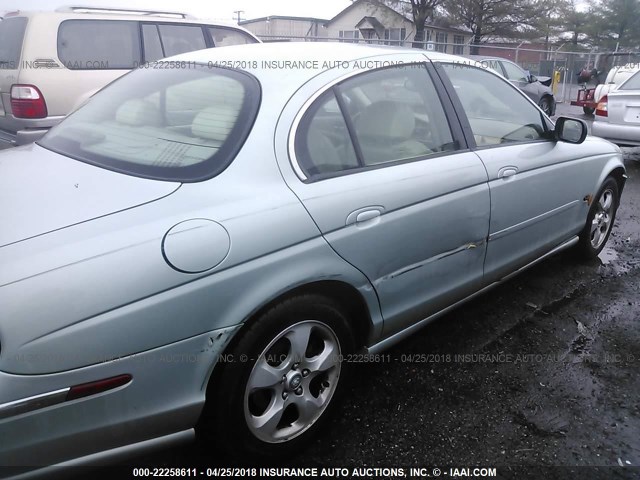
238 14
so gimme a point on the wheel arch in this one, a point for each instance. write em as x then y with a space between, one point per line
620 176
344 294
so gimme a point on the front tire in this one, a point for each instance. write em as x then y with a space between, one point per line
284 382
600 219
546 104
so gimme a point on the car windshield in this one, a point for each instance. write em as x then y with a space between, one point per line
181 124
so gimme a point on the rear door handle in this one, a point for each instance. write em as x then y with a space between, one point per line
365 214
506 172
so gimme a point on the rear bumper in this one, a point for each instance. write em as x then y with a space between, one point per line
21 137
617 133
165 396
20 131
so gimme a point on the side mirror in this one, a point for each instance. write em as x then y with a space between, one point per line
533 79
570 130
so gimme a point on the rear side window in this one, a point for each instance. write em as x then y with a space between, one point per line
377 118
11 37
223 37
152 45
632 84
99 44
177 39
170 124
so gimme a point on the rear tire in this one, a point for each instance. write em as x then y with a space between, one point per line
588 110
600 220
284 383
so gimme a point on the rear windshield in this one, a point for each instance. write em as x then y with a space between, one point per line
633 83
11 36
183 124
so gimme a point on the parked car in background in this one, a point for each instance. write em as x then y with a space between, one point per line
50 62
536 88
618 113
214 247
615 77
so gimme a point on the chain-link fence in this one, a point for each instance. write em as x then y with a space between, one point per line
563 67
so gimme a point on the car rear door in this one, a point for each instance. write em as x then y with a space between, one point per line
384 172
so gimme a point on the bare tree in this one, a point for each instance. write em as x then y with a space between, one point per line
498 18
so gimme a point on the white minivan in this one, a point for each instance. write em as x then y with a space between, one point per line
51 62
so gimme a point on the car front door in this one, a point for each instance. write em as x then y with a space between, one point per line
385 174
537 185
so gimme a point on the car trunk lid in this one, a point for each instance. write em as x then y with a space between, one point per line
42 191
624 107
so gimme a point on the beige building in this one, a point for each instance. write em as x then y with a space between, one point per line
277 27
373 22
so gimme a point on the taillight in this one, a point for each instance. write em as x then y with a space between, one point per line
27 102
602 108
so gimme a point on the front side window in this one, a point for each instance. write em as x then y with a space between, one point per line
632 84
223 37
381 117
497 111
99 44
11 37
174 124
514 73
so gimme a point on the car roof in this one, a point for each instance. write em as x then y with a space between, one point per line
266 61
96 13
309 51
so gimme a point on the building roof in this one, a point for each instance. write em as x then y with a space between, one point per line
358 2
283 17
374 23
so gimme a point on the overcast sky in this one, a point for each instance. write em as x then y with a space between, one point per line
213 9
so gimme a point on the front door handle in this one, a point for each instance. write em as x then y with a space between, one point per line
366 214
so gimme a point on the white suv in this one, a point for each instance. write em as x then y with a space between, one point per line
51 62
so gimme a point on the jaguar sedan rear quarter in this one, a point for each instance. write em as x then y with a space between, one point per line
202 247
